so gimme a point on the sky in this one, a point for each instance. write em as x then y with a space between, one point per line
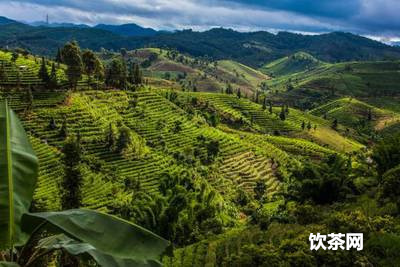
378 19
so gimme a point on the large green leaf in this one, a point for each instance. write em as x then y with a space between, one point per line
18 174
8 264
87 251
106 238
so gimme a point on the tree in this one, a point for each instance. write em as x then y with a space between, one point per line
309 126
52 124
29 98
116 74
264 106
282 115
390 187
369 114
256 95
110 138
270 107
64 130
326 182
71 55
59 56
214 119
239 94
71 184
260 190
303 125
123 52
289 87
212 149
386 154
135 75
43 74
287 109
3 73
18 79
53 81
334 124
229 89
124 138
91 63
14 56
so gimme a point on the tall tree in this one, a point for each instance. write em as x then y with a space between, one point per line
229 89
64 129
3 73
110 138
59 56
18 79
72 181
29 99
135 74
116 74
53 81
335 124
71 55
282 115
124 138
14 56
92 64
43 74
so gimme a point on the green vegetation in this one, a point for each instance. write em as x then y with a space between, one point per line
28 238
291 64
230 165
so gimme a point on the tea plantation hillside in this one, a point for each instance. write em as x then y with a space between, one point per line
169 68
358 115
24 70
161 143
247 115
310 88
298 62
229 164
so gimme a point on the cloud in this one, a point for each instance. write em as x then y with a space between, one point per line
319 8
368 17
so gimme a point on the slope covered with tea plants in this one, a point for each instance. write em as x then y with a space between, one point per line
215 156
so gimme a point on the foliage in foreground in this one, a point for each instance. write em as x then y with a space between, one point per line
27 237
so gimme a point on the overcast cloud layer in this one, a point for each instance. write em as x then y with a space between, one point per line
375 18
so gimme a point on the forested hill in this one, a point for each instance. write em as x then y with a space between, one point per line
251 48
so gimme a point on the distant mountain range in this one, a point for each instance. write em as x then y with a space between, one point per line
395 43
4 21
57 25
251 48
128 30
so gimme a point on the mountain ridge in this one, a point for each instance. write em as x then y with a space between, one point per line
250 48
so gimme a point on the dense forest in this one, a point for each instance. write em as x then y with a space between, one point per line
165 156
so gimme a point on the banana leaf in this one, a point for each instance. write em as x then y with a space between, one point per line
18 175
8 264
107 239
87 251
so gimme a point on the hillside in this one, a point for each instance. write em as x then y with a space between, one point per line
216 156
313 87
298 62
171 69
357 114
